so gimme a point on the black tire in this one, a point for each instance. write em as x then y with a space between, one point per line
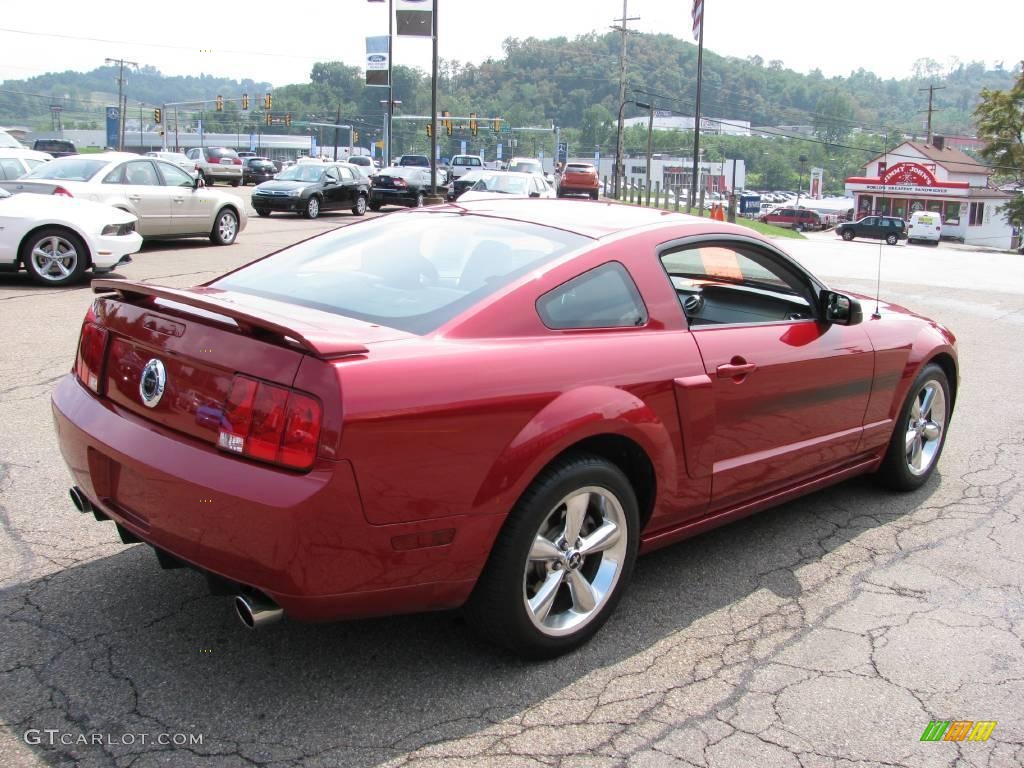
262 212
55 256
897 470
235 183
847 235
360 207
225 227
799 227
312 209
375 207
593 195
891 239
419 200
498 607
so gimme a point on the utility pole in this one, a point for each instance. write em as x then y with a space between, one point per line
433 111
626 18
931 93
120 96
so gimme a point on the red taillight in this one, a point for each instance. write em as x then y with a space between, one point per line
62 192
237 161
400 183
92 345
270 423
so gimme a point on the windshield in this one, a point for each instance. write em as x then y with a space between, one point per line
6 140
526 166
304 172
68 169
503 184
413 272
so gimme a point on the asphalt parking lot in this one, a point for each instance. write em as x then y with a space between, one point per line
826 633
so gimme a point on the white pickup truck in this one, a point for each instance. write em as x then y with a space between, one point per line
462 164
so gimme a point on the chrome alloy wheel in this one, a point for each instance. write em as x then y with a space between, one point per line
575 561
227 226
925 425
54 258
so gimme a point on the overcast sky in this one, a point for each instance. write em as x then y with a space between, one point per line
190 37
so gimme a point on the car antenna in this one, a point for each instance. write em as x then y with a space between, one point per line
876 315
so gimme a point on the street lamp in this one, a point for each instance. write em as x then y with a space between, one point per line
800 179
650 133
390 105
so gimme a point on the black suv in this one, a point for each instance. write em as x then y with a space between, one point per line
308 188
887 228
257 170
55 147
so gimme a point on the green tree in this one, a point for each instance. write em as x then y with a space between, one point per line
833 117
1000 120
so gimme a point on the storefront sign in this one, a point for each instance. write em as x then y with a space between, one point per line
908 189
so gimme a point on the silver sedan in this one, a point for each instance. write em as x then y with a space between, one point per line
168 202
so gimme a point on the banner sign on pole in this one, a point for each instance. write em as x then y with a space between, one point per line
462 147
377 60
113 126
499 150
412 20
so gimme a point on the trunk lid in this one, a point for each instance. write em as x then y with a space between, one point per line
202 338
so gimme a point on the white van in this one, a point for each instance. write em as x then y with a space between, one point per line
925 226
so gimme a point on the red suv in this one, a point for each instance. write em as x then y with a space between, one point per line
797 218
578 179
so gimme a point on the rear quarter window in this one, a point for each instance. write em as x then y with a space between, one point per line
603 297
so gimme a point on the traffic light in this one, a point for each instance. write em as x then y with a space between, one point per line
355 137
270 119
430 130
288 119
496 125
473 125
245 101
220 103
268 101
447 122
156 116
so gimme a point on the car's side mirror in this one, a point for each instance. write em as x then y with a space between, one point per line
198 182
840 309
329 181
535 194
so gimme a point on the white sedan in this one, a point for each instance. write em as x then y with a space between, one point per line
57 239
168 202
492 184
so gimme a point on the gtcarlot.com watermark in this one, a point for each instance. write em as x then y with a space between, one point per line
52 737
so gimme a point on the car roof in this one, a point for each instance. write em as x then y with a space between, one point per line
584 217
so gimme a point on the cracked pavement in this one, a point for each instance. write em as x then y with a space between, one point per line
825 633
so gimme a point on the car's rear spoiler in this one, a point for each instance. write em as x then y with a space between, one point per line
312 339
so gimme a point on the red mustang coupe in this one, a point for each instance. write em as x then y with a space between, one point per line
494 405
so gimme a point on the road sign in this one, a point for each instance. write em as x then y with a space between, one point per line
506 127
563 151
252 142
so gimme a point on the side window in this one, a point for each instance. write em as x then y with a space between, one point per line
604 297
871 221
332 174
728 284
174 176
346 173
10 168
474 162
140 173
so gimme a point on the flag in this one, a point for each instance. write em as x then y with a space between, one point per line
698 18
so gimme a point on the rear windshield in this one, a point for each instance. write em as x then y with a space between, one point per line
576 168
360 160
75 168
413 272
418 160
43 145
219 152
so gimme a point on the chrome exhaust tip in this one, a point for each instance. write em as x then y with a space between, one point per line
256 610
78 499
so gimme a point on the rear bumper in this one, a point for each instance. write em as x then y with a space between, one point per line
300 538
384 196
223 172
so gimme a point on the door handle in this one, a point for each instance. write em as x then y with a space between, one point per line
178 199
134 198
734 370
